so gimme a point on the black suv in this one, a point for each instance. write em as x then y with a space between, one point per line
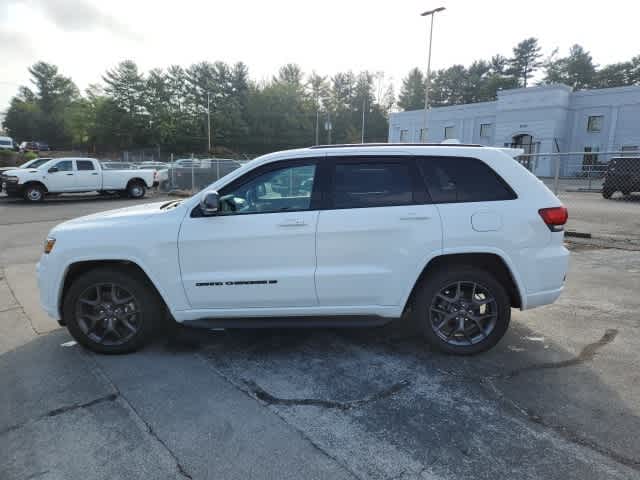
622 175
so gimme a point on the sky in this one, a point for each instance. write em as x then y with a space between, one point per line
86 37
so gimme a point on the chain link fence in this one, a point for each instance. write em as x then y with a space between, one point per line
601 190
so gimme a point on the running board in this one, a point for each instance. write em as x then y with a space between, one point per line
338 321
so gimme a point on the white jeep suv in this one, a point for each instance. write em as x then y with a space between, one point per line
453 236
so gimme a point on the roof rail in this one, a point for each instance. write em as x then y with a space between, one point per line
344 145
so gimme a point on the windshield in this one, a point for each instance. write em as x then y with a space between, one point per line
5 142
34 163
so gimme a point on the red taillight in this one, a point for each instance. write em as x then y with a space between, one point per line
554 217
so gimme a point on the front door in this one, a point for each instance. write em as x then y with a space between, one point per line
62 178
87 176
377 232
260 250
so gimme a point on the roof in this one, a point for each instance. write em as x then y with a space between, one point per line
367 145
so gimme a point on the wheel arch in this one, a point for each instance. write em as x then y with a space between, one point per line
34 182
493 262
136 180
76 269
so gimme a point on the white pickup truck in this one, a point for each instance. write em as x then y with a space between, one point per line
74 175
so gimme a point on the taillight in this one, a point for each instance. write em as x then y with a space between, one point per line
554 217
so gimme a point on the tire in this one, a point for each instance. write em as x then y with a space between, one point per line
433 308
124 327
34 193
136 190
606 193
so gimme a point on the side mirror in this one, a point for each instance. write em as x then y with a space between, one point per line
53 170
209 203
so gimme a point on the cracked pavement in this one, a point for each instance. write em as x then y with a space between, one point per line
556 399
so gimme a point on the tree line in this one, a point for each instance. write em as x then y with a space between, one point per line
170 109
481 81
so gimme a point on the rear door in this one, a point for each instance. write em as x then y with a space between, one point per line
376 231
87 175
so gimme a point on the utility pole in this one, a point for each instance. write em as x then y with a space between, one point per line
432 14
317 126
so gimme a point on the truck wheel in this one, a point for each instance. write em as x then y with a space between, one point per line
462 310
136 190
110 310
34 193
606 193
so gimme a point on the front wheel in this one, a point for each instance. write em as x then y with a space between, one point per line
34 193
462 310
112 311
136 190
606 193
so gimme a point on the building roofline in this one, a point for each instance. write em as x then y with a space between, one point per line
603 91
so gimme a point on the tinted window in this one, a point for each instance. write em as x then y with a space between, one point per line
280 190
64 166
374 184
84 165
456 179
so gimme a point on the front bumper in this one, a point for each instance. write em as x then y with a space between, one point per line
48 295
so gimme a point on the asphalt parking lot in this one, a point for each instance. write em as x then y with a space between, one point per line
558 398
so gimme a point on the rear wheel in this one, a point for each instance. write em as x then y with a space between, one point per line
462 310
34 193
136 190
606 193
112 311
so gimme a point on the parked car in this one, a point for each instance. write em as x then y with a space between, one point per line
43 146
187 163
118 166
450 237
6 143
622 175
36 162
73 175
29 147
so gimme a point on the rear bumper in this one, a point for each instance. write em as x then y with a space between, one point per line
545 272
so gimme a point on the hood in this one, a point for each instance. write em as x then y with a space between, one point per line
130 215
15 171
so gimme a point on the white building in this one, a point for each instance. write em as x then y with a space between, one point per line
544 119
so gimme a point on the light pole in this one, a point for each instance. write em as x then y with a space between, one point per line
429 13
364 104
208 122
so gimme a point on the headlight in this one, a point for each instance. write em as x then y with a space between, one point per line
48 244
11 179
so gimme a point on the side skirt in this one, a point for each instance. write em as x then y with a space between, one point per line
346 321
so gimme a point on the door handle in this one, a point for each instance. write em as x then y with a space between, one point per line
413 216
95 173
292 222
69 174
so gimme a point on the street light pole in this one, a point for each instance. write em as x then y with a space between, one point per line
364 104
208 122
429 13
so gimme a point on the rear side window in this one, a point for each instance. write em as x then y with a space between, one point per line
372 184
461 179
84 165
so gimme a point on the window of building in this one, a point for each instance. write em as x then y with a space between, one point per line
630 150
423 135
84 165
594 123
449 132
452 180
282 190
373 184
485 129
404 135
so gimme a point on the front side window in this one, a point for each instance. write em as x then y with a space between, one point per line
594 123
372 184
84 165
462 179
64 166
449 132
282 190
